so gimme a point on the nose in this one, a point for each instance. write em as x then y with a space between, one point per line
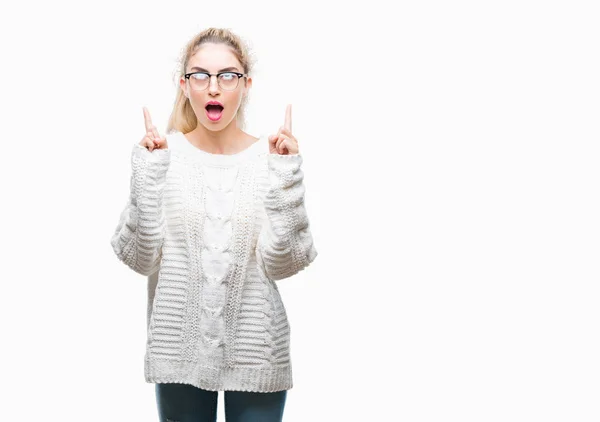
213 85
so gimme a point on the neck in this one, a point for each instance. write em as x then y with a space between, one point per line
228 140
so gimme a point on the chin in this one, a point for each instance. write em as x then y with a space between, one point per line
215 126
218 125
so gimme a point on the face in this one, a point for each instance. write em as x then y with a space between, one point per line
213 58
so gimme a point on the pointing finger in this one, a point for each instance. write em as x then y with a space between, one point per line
288 118
147 120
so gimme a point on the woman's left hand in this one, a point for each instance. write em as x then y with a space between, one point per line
284 143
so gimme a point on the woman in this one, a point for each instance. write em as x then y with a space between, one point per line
214 218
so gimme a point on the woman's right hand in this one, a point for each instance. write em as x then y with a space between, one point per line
152 139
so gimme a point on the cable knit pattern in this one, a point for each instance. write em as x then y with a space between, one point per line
213 232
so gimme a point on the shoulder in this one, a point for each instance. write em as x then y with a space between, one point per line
178 143
257 145
173 137
262 141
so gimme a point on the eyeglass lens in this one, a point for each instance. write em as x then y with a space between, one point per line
227 81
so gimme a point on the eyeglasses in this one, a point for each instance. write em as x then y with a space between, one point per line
228 81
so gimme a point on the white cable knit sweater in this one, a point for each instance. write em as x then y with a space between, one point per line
213 233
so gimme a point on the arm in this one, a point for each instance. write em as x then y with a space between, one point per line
285 244
139 236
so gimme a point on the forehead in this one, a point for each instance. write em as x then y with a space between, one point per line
213 57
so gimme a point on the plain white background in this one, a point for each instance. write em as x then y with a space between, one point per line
451 164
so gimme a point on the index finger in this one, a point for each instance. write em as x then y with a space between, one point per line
288 118
147 120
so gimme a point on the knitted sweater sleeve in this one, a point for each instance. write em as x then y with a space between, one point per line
285 245
139 236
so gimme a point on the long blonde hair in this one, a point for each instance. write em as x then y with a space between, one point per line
182 117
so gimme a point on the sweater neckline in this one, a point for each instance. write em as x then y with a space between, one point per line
223 159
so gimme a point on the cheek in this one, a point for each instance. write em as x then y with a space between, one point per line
196 102
235 100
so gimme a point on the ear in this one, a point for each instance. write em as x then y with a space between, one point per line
248 85
183 87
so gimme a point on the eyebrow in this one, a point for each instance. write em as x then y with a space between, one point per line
200 69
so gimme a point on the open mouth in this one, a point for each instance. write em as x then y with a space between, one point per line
214 112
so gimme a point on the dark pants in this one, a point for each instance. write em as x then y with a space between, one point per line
187 403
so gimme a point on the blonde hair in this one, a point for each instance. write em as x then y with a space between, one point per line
182 117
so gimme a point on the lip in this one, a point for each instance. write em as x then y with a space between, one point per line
213 103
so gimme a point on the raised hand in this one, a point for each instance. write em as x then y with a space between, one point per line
284 142
152 139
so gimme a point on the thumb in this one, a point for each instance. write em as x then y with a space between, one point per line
160 142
